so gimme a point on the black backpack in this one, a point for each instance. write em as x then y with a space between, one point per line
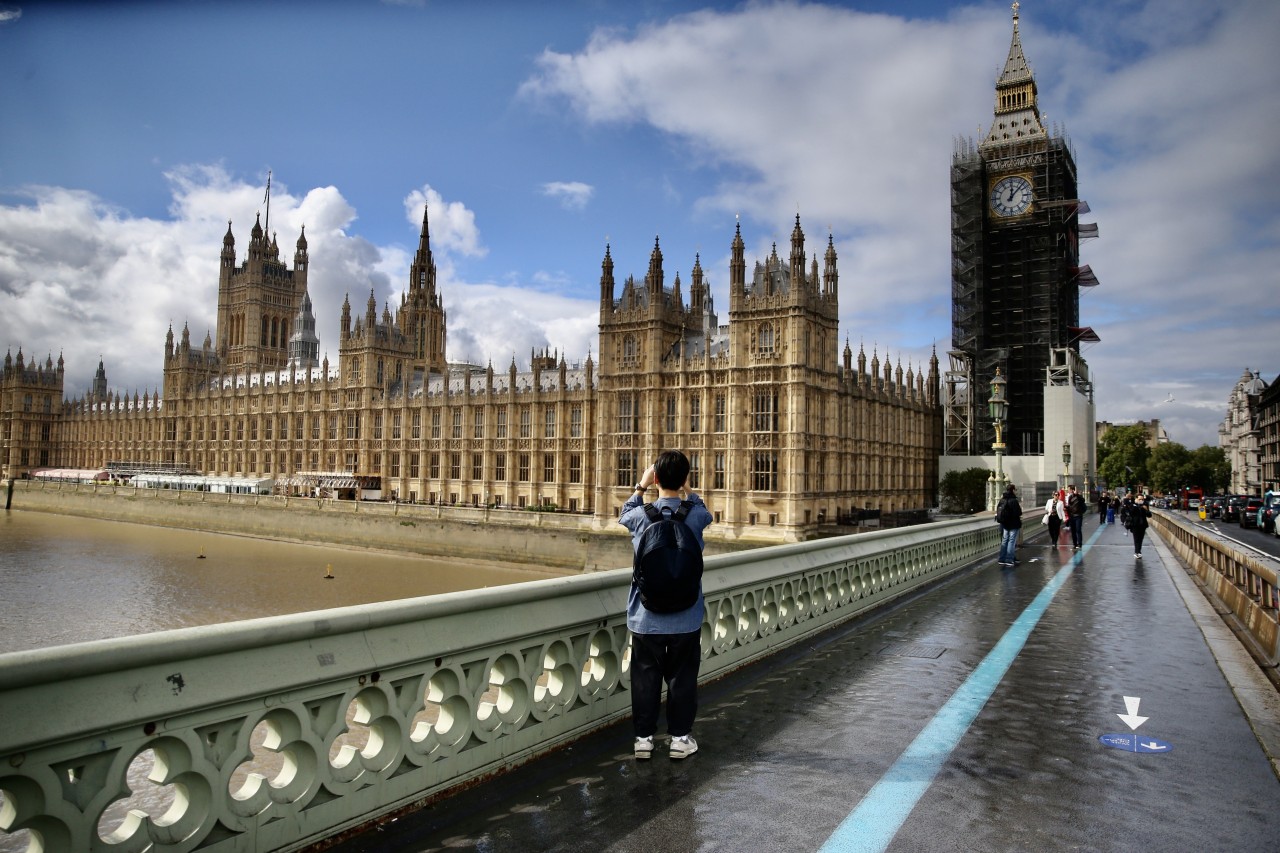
668 564
1002 514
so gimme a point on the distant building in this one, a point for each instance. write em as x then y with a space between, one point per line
1269 435
30 411
1156 434
1240 435
1016 270
786 435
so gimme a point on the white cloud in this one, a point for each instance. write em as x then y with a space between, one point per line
572 195
453 226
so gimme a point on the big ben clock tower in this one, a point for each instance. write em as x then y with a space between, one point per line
1016 274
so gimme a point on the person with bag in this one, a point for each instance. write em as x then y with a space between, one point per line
1054 515
1126 507
1009 517
1076 509
1138 515
665 607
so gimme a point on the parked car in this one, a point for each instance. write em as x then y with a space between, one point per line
1249 512
1231 509
1267 514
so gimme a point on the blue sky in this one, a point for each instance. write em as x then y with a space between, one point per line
132 132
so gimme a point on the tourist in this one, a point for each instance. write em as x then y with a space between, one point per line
664 646
1054 515
1076 509
1009 517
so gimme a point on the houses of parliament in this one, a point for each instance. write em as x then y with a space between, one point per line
787 435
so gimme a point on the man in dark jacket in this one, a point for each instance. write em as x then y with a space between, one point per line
1138 516
1009 517
1076 509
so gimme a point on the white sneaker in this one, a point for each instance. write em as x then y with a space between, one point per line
1139 556
683 747
644 747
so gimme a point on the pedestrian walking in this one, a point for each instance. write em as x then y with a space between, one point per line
1126 507
1111 509
1009 517
1054 514
664 641
1102 507
1076 509
1138 516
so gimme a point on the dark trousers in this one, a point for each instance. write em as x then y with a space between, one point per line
673 658
1076 524
1139 533
1055 527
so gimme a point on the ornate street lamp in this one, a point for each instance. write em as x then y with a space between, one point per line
1086 478
1066 463
998 408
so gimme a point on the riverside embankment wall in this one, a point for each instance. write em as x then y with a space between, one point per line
543 539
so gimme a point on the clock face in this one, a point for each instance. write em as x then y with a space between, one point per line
1011 196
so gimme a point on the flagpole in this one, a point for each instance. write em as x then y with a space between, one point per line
267 199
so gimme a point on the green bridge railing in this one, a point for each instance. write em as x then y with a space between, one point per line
277 733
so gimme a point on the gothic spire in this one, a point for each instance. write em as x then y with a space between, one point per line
422 275
654 279
606 280
1017 113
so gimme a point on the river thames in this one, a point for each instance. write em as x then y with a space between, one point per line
66 579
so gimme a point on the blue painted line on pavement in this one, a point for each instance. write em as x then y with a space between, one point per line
871 826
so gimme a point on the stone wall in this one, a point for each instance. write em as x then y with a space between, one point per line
538 539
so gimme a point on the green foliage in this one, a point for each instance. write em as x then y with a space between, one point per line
1168 467
1214 469
1122 456
1172 466
964 491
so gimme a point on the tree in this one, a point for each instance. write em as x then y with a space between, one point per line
1172 467
1122 456
1212 470
1169 467
964 491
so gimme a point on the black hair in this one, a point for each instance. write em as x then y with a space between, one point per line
671 469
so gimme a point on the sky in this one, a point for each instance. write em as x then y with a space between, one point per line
539 133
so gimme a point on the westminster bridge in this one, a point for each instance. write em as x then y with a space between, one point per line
893 690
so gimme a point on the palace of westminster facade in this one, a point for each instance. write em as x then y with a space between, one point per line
785 435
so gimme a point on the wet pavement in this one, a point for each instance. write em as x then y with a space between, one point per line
974 716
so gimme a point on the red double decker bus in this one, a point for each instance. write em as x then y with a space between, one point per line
1190 497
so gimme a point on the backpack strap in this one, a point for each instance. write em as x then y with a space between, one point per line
682 512
653 513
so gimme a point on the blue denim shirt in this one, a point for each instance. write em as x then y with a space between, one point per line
639 619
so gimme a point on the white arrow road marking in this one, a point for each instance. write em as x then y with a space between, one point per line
1132 719
1153 745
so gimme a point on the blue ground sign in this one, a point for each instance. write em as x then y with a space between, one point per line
1136 743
